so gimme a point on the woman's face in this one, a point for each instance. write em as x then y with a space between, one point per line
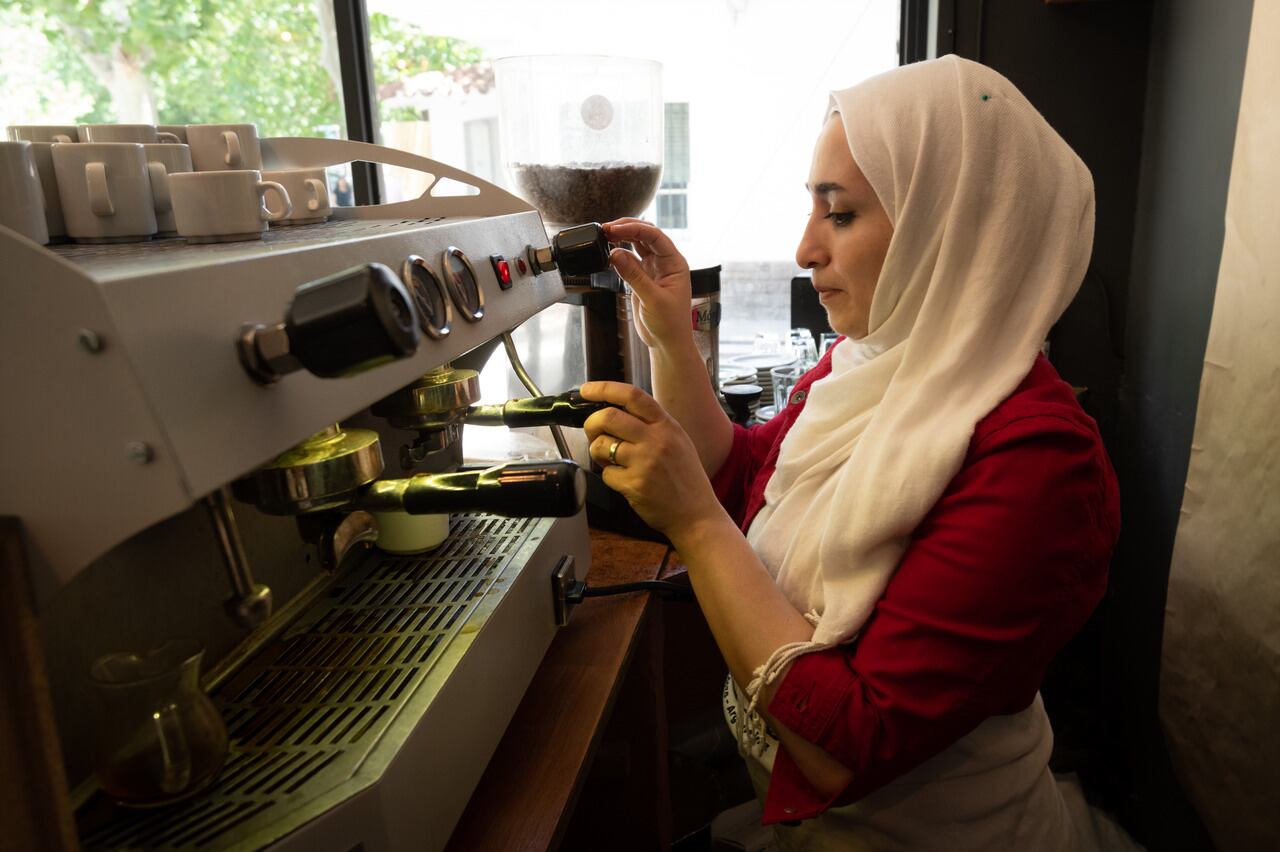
847 236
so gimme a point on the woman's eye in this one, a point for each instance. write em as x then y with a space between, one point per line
839 219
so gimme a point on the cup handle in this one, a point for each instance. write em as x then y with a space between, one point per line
319 194
233 157
95 175
267 214
168 138
175 754
160 187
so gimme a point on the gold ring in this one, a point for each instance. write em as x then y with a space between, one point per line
613 452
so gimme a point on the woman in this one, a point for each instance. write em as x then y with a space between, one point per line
890 563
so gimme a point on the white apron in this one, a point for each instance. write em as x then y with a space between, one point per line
990 791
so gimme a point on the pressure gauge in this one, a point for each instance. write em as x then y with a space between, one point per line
429 296
464 287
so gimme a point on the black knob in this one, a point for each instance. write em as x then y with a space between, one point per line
550 489
581 250
350 321
740 398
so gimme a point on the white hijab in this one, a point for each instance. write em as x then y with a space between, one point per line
993 228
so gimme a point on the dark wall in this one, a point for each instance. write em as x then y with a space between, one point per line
1196 72
1084 67
1147 94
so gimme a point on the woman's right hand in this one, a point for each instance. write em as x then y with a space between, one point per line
659 279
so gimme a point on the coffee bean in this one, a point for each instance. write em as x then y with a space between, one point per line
588 192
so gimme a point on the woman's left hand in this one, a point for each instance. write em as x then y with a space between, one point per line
648 459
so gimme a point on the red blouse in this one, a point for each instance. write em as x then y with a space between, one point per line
1004 569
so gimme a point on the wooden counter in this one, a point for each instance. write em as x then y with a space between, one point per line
528 793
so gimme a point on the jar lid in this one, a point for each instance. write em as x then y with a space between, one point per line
705 281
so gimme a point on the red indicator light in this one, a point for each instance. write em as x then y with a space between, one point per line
502 269
521 265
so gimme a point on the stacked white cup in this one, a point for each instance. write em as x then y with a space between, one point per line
130 182
22 204
42 138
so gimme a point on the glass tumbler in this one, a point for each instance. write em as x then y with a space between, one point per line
784 382
161 738
802 344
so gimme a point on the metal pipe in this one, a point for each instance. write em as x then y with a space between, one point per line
562 446
250 602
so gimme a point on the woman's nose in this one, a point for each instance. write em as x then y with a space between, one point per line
811 253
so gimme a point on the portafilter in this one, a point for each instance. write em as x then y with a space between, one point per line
338 468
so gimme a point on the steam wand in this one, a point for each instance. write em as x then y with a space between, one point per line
562 446
250 602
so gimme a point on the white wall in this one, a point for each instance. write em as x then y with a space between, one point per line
755 74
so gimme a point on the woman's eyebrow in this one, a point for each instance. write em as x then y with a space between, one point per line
825 188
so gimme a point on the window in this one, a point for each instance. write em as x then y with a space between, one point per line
483 158
673 194
435 98
172 62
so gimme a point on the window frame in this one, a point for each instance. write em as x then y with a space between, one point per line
359 97
664 189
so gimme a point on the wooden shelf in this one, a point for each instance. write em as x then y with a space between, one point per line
527 795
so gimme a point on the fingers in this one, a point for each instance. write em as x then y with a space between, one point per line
616 423
632 272
640 231
615 477
626 220
603 450
628 397
639 246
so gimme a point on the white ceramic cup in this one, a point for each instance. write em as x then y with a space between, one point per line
400 532
216 147
42 132
307 190
21 197
225 206
43 152
145 134
164 159
106 192
179 131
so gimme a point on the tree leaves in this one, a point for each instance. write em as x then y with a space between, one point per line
214 61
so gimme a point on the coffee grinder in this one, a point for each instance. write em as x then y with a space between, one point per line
583 141
582 137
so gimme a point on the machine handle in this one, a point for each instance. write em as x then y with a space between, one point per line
581 250
550 489
566 409
351 321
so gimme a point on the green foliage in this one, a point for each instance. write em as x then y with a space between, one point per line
63 55
209 61
403 50
400 49
250 61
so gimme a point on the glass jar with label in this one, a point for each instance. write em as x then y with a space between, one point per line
706 319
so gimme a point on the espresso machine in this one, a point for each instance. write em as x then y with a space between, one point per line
283 418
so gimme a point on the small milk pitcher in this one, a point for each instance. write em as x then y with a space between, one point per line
161 738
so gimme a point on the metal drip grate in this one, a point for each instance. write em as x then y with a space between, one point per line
304 714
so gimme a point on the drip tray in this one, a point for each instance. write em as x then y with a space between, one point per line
369 695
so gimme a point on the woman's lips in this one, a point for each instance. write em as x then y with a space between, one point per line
824 293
